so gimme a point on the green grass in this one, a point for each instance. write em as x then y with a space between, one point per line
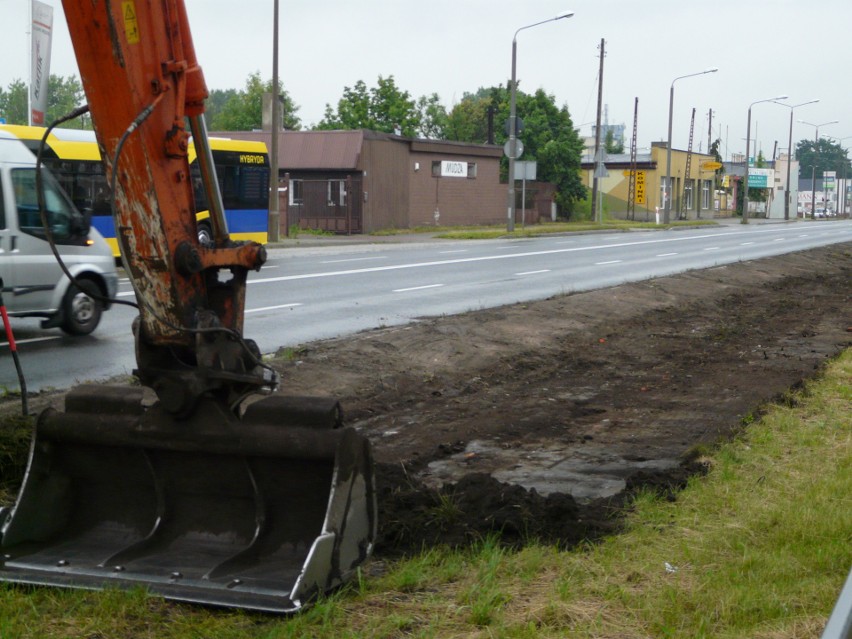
759 547
490 232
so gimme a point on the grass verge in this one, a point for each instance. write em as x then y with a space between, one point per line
534 230
759 547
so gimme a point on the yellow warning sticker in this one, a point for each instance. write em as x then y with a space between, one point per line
131 25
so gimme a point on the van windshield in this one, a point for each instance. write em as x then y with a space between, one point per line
64 220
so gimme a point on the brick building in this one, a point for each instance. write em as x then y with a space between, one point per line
364 181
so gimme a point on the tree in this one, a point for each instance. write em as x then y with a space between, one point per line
433 117
63 96
468 120
548 135
815 157
611 145
13 103
381 108
243 110
216 102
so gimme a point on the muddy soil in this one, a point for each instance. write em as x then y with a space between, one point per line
539 420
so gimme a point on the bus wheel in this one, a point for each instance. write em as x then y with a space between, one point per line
80 309
205 234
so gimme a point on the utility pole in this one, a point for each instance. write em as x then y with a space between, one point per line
599 158
631 187
709 130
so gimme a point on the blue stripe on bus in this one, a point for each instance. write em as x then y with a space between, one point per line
104 224
239 221
247 220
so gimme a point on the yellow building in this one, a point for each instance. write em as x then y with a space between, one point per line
693 196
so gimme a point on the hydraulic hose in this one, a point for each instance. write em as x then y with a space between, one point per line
14 348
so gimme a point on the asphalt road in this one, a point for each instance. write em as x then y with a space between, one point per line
304 294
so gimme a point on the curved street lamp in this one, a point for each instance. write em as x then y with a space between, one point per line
790 155
813 164
748 140
513 130
668 197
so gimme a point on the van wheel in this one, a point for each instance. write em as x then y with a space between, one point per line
81 312
205 234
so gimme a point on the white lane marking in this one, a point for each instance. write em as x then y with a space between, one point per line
32 340
805 235
488 258
544 270
272 308
416 288
712 248
746 243
610 262
355 259
667 254
455 251
780 239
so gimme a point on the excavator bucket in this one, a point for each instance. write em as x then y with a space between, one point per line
260 512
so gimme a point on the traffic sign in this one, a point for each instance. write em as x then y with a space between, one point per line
519 125
513 152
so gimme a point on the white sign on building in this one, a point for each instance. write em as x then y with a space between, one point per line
453 169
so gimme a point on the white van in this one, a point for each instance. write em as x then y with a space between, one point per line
33 283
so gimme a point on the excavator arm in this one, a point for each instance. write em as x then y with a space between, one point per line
188 484
142 80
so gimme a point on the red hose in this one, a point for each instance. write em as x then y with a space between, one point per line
14 348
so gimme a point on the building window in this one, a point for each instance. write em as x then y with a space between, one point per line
296 197
705 194
663 193
687 195
471 170
436 168
336 193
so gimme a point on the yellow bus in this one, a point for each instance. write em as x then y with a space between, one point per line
242 168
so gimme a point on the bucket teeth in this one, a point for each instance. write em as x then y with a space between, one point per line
260 512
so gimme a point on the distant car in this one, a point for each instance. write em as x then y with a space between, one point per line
820 212
33 283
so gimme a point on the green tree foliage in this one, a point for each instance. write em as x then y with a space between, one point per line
468 120
611 145
823 155
243 110
384 107
548 135
433 117
63 95
216 102
13 103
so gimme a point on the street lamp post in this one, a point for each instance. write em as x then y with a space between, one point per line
841 203
513 129
813 165
790 155
748 139
274 219
668 185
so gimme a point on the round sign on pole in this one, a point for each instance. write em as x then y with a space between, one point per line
513 152
519 125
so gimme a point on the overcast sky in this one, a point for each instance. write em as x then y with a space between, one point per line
762 48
